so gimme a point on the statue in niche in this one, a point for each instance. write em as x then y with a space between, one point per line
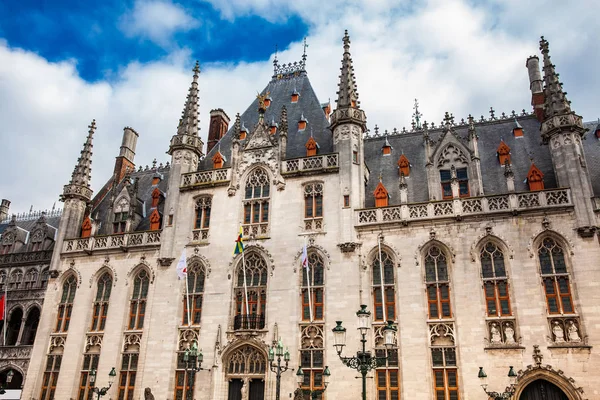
148 394
244 389
559 334
573 332
495 333
509 333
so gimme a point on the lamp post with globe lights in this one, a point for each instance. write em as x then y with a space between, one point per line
508 392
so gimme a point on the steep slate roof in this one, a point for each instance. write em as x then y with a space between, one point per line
591 148
145 188
28 225
280 91
490 133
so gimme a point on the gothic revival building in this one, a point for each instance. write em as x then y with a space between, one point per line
26 245
476 238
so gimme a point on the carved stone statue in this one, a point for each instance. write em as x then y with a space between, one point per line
573 332
509 333
495 333
559 334
148 394
244 390
298 394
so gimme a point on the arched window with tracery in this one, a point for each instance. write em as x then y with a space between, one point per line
137 304
385 286
555 277
65 307
313 278
31 326
246 369
15 320
195 282
437 284
256 203
16 279
251 297
31 278
100 306
495 281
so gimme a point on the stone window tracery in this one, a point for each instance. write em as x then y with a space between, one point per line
100 305
137 307
437 284
247 360
16 279
443 360
250 312
256 203
312 350
195 287
313 206
2 280
65 307
387 377
127 376
202 222
31 278
90 361
317 282
387 285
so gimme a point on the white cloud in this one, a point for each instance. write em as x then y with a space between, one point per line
450 55
157 20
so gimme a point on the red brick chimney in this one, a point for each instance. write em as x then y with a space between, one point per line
127 153
536 86
219 122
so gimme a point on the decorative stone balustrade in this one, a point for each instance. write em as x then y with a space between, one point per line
26 258
209 178
311 164
122 241
463 207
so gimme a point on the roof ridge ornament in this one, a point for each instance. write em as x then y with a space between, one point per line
289 70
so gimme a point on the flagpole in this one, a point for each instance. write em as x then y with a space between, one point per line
308 283
5 307
381 278
245 285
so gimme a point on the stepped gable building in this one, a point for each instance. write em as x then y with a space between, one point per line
477 239
26 246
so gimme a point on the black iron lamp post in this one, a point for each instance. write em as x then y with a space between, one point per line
364 361
508 392
193 363
277 351
316 392
102 391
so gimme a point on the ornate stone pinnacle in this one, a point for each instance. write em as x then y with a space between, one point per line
79 186
283 121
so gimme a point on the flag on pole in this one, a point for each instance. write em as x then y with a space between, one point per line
182 266
3 312
307 269
239 243
2 307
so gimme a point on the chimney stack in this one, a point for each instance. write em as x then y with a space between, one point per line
4 206
536 86
127 153
219 123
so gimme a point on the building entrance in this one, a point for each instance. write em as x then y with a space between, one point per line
542 390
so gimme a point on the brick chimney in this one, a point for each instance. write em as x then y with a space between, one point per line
536 86
219 123
127 153
4 206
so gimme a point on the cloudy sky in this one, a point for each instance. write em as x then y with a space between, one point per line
128 63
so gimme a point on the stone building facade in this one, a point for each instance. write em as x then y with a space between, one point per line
26 245
477 242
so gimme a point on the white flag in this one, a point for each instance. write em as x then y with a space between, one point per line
182 266
304 257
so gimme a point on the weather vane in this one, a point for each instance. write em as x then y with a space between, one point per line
417 115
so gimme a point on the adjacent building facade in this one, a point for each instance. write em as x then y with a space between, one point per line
476 238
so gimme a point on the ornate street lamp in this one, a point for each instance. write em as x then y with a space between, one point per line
277 351
193 362
364 361
508 392
316 392
102 391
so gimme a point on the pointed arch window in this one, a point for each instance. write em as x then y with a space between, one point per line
203 206
385 285
403 166
31 278
137 304
313 200
495 281
50 378
256 203
90 362
195 281
65 307
16 279
316 282
387 376
437 284
100 306
31 326
250 309
555 277
127 375
312 349
14 326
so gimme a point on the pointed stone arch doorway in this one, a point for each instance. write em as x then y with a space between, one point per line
541 389
245 372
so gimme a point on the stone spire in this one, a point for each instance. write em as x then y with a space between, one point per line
79 186
558 116
187 131
348 105
556 102
347 94
283 120
188 124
